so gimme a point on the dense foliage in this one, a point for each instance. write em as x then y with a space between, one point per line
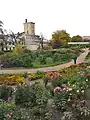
38 58
29 102
77 38
60 38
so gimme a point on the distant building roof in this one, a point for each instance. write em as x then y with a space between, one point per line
30 23
26 21
86 37
78 43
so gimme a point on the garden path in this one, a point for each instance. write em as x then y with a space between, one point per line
80 59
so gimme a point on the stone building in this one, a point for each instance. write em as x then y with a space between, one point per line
29 38
32 41
86 38
29 28
6 43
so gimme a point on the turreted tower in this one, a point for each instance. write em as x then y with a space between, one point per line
29 28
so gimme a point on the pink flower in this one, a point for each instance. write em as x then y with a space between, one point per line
9 115
56 75
63 88
57 89
52 75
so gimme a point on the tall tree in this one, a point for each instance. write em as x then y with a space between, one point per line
2 35
12 36
41 40
77 38
1 27
60 38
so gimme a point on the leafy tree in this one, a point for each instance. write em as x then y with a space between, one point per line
60 38
14 37
77 38
41 42
18 49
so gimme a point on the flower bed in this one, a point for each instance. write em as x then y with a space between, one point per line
37 75
62 93
68 91
32 102
11 79
66 73
19 78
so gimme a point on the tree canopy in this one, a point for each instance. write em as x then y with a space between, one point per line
77 38
60 38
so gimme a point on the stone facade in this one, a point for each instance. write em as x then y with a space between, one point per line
29 28
5 43
28 37
32 41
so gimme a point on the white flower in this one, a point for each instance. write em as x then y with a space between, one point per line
86 79
70 89
69 99
82 91
77 91
74 85
70 94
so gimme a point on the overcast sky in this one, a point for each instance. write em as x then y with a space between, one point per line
49 15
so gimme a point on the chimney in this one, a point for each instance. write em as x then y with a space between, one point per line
25 20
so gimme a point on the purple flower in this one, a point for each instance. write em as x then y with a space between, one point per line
9 99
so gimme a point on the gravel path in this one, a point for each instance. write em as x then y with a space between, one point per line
80 59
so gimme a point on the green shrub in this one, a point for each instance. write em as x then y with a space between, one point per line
42 59
31 59
33 55
36 62
12 112
40 74
41 94
5 92
5 110
49 60
56 57
25 96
